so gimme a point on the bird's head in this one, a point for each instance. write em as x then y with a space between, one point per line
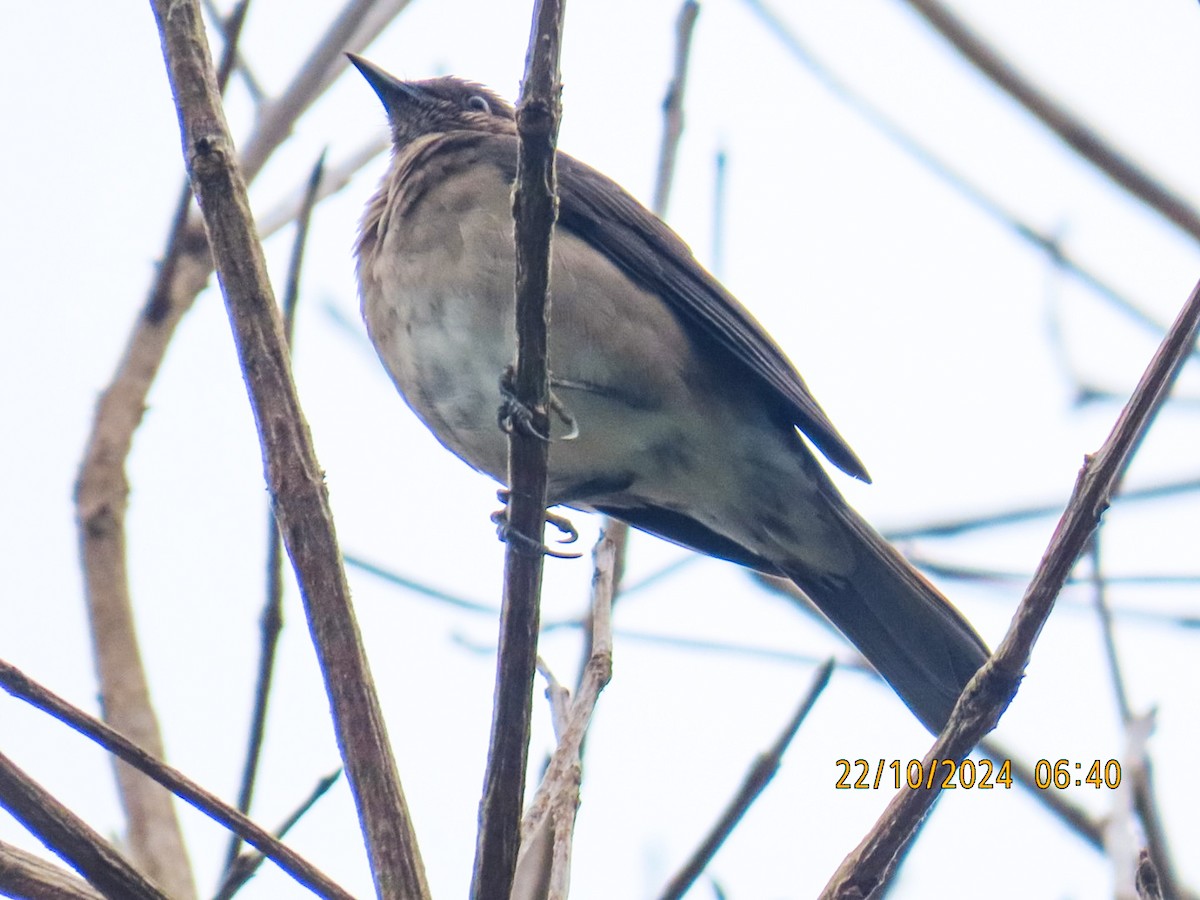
436 105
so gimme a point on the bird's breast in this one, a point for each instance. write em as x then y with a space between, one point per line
436 279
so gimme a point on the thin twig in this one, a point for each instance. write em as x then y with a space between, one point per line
557 799
1100 603
1144 799
534 212
993 687
294 476
1078 820
354 27
1075 132
673 107
228 32
336 177
70 837
24 688
244 867
720 180
558 697
271 621
1029 513
618 531
757 778
976 196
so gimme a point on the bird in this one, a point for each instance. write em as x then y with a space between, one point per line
686 419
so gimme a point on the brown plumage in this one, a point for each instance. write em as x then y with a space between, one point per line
687 410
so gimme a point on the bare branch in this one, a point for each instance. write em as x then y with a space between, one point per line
101 493
24 876
1028 513
1147 882
336 177
756 780
355 26
535 208
271 621
244 867
293 474
229 27
1077 134
1072 816
971 192
993 687
21 686
71 838
553 809
673 107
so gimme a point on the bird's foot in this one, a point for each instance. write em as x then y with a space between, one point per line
514 415
508 534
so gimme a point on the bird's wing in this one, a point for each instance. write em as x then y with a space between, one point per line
599 211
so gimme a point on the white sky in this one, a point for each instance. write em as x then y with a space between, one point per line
924 329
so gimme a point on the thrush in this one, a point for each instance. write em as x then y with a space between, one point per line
688 416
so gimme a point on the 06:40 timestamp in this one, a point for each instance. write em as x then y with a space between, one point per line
947 773
1063 773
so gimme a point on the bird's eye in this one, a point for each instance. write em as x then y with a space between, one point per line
479 103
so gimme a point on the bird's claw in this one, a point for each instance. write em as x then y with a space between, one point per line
515 416
508 534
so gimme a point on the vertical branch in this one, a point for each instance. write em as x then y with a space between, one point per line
720 166
994 685
535 208
616 530
1136 730
293 474
551 816
673 107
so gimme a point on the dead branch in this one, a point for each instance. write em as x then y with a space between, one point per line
1073 130
24 876
993 687
293 474
756 780
71 838
24 688
534 212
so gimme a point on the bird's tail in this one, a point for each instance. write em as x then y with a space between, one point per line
913 636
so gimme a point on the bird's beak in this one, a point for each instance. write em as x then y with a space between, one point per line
393 92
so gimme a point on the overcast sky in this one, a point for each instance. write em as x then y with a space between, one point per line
949 352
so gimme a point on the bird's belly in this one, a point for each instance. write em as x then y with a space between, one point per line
446 354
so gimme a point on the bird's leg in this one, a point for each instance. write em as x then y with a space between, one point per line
506 533
514 415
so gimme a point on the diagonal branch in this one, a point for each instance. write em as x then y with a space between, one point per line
70 837
101 499
28 876
293 474
757 778
21 686
993 687
1077 134
271 621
